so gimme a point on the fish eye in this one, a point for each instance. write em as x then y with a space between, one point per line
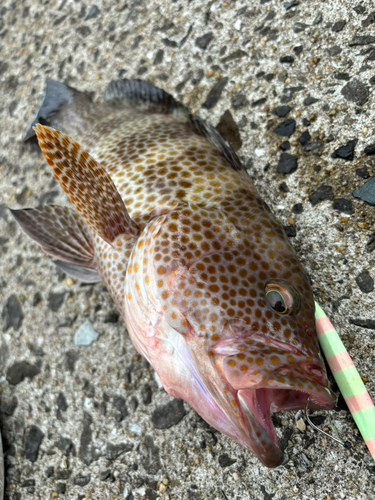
282 297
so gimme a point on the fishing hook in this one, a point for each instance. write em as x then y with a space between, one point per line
343 443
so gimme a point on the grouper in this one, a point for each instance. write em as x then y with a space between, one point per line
211 291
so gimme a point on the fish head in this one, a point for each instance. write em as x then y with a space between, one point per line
245 309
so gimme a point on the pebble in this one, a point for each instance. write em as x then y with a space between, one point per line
361 40
120 405
150 456
33 441
81 480
65 445
226 461
365 282
158 57
61 488
289 5
286 59
49 471
20 370
370 19
111 317
8 408
297 208
239 101
85 335
343 205
362 172
12 313
258 102
290 231
310 100
105 474
300 424
355 91
61 402
322 193
203 41
304 138
167 415
215 93
283 187
370 150
338 26
55 300
281 111
366 192
286 128
287 164
146 394
285 146
93 12
342 76
237 54
345 152
363 323
370 245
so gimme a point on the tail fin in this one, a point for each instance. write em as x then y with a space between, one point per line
61 104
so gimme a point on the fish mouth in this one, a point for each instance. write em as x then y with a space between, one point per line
269 377
257 404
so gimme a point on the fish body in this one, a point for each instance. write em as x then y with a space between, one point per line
211 291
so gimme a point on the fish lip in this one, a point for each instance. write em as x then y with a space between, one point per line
261 436
257 404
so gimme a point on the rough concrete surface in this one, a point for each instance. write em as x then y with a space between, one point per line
84 421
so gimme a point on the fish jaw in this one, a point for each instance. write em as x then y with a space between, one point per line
249 401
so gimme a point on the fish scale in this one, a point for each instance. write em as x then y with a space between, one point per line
211 291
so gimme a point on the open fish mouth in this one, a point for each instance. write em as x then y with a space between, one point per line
257 404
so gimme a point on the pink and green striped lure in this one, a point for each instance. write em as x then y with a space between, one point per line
350 384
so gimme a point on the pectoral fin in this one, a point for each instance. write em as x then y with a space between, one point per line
62 233
87 184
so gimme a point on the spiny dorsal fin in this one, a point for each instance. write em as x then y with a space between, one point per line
144 95
60 232
87 184
221 144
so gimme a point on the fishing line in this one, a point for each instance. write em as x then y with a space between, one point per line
338 439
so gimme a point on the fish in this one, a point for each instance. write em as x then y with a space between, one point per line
211 290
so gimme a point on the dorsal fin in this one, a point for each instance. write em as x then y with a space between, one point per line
144 95
216 139
87 184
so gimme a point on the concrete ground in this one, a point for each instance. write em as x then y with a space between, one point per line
91 422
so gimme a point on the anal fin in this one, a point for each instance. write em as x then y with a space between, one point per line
84 274
63 234
88 185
